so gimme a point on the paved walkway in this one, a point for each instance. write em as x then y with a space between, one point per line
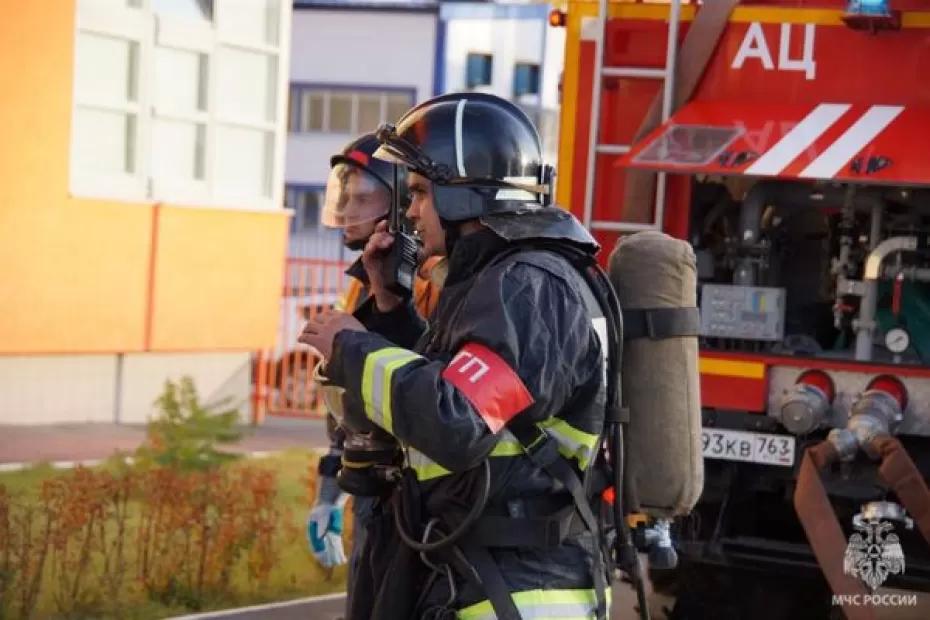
89 442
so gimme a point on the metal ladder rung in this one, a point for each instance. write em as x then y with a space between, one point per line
613 149
634 72
621 226
667 75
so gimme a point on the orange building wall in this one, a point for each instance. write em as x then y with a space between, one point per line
75 273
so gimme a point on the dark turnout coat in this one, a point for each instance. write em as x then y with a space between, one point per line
513 341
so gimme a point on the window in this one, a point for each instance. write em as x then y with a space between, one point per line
478 70
346 110
525 79
306 203
688 145
177 101
309 238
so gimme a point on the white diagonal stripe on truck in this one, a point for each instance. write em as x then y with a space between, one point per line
796 141
863 131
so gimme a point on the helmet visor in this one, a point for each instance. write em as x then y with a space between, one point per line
397 150
353 197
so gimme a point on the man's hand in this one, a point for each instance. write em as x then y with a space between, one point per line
379 244
321 330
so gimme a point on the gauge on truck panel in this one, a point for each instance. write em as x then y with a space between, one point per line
897 340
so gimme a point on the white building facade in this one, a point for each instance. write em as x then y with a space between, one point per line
508 50
354 65
357 63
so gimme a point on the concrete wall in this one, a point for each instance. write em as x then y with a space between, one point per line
216 376
44 389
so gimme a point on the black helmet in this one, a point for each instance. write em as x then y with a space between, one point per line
481 152
360 152
360 186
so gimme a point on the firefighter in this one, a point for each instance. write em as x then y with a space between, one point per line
500 405
358 196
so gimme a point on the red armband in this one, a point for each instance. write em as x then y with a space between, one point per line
489 384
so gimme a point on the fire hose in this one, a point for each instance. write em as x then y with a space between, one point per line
822 527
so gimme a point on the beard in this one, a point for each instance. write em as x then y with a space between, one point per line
355 245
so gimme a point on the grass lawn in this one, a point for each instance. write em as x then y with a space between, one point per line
293 574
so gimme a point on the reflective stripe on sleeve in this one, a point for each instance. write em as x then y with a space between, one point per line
573 443
542 604
426 468
376 383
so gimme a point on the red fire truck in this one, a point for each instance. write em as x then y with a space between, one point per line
789 142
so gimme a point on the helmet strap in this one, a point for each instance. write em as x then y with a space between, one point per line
356 246
453 232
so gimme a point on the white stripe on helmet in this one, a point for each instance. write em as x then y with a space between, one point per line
459 115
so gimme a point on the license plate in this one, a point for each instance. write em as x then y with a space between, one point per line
720 443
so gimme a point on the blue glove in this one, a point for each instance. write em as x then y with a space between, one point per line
324 525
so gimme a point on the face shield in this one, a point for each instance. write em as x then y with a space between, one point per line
353 197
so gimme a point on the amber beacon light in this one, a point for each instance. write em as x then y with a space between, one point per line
556 18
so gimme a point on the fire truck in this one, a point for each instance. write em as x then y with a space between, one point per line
789 142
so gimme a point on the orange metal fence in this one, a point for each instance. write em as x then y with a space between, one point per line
282 384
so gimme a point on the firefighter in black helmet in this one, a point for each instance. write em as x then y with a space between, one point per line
358 196
358 191
500 404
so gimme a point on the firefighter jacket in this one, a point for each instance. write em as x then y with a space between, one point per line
511 339
426 289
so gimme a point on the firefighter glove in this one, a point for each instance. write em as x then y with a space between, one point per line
324 524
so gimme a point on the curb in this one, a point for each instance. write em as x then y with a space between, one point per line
220 613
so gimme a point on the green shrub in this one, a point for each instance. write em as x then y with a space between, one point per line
185 434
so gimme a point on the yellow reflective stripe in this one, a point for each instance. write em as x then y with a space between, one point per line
542 604
507 448
389 368
573 443
376 383
426 469
731 368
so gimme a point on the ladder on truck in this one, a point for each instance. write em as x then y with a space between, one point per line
667 75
